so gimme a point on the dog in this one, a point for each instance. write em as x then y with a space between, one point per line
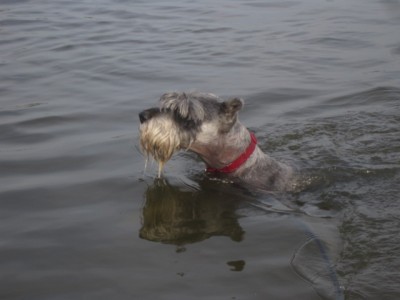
209 126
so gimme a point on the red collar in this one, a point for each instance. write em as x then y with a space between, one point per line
233 166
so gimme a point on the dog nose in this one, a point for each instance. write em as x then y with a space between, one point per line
143 117
148 114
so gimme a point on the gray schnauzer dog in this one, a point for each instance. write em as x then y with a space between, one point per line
208 126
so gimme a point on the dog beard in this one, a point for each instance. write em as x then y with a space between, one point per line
159 138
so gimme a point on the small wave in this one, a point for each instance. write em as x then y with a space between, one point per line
375 96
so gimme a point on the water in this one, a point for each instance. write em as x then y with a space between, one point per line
79 219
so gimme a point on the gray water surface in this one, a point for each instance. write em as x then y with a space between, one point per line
79 219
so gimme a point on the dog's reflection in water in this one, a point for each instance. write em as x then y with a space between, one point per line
177 216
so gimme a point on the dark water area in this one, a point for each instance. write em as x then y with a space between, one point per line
79 219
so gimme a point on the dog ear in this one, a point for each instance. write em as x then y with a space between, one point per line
230 107
228 113
183 105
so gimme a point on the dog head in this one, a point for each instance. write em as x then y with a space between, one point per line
202 123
